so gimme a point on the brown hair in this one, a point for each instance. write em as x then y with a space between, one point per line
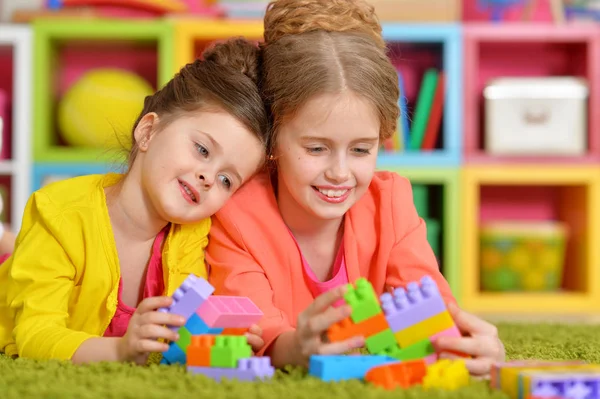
326 46
226 77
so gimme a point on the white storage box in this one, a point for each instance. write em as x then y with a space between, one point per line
536 116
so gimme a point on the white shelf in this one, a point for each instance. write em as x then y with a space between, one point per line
20 38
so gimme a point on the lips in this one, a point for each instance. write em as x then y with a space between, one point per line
190 194
333 195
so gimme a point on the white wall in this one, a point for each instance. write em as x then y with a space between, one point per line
8 6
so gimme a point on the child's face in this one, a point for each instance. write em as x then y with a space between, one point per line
327 155
192 167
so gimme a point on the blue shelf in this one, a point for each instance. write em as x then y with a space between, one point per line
450 37
43 170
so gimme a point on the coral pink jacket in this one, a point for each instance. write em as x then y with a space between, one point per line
251 252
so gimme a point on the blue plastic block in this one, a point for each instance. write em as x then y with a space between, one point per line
54 4
196 326
338 368
174 355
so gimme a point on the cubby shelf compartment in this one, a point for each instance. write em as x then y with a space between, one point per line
65 49
193 36
413 48
446 181
523 192
528 50
15 80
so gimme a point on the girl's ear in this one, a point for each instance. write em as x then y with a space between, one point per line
145 130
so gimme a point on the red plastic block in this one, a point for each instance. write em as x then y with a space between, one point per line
394 375
229 312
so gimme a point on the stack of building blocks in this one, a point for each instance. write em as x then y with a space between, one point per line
544 379
212 342
401 324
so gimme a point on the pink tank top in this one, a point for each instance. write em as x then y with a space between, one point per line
153 286
340 275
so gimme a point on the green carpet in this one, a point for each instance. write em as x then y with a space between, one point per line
24 379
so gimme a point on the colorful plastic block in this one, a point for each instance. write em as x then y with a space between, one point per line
406 307
571 384
196 326
378 342
394 375
338 368
346 328
228 350
363 300
189 296
502 371
447 375
424 329
174 355
229 312
418 350
198 353
247 370
185 337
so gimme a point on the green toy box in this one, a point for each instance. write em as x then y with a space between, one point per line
522 256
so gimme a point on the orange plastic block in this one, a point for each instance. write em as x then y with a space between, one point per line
198 353
347 328
234 331
398 375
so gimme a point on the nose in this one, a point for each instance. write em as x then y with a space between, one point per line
206 179
338 171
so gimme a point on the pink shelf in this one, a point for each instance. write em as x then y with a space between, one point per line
564 203
515 49
6 96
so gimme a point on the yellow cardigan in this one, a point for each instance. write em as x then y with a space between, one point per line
60 286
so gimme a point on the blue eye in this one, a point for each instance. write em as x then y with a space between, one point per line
201 149
225 181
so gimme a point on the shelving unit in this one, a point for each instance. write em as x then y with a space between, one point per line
15 80
523 192
65 49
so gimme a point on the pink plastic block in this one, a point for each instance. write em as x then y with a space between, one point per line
407 307
450 332
229 312
192 293
431 358
248 369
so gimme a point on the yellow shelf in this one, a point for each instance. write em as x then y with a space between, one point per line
190 34
580 195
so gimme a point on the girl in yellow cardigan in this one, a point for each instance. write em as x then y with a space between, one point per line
90 267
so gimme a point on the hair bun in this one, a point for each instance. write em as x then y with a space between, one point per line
292 17
236 53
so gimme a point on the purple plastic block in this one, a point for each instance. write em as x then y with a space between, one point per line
248 369
570 385
188 297
407 307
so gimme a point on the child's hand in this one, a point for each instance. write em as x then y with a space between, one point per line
254 336
481 342
314 322
146 327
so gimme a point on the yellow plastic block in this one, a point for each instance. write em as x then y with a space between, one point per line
509 377
425 329
446 374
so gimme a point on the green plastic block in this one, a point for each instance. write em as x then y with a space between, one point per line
228 349
363 300
421 199
380 341
185 338
391 351
433 232
418 350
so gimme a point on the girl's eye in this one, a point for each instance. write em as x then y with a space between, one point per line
362 151
315 149
201 149
225 181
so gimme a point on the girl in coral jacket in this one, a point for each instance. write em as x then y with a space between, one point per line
97 256
292 239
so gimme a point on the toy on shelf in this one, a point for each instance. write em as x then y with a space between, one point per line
90 117
497 8
528 379
212 341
